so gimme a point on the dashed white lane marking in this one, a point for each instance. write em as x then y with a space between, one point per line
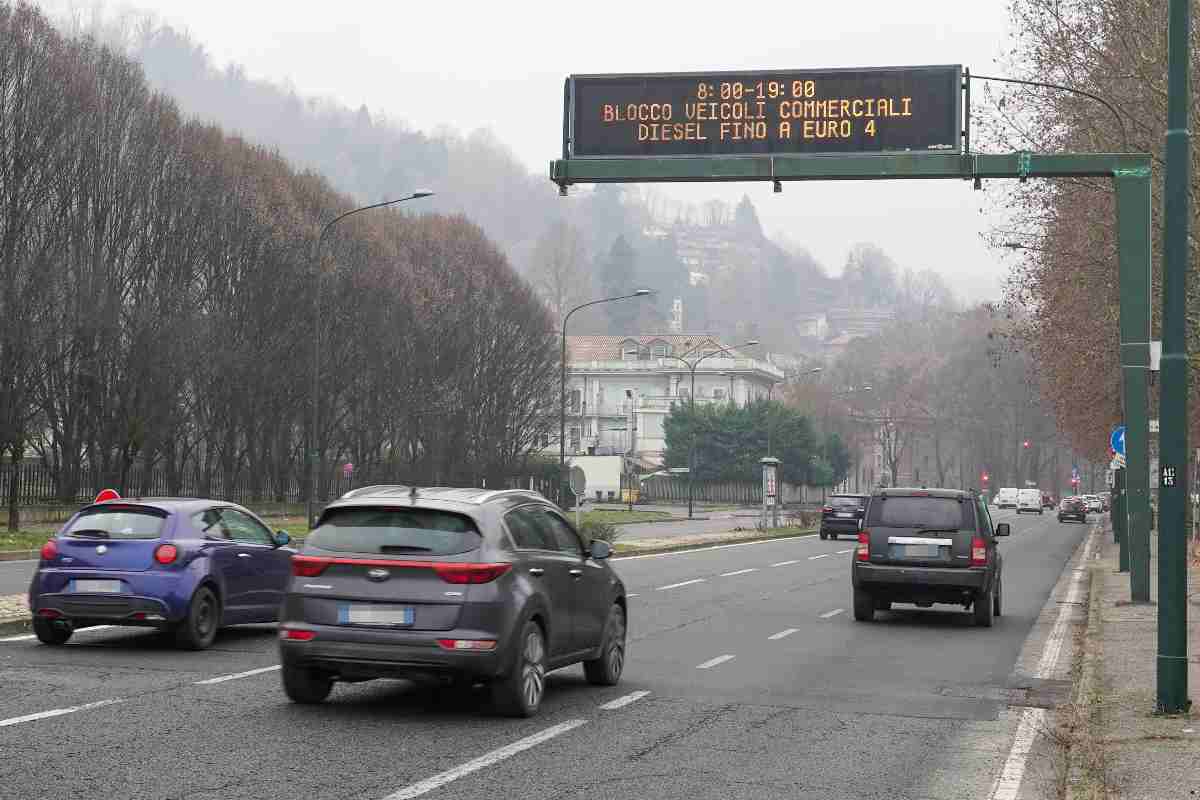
738 572
712 662
1032 720
621 702
851 550
823 555
55 712
785 563
237 675
485 760
24 637
833 613
782 633
683 583
632 594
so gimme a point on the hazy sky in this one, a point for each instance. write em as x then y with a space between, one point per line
501 65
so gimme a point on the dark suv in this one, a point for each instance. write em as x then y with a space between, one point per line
927 546
1073 508
455 585
842 514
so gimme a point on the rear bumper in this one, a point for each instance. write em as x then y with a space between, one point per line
117 609
906 580
363 653
163 593
836 525
1072 515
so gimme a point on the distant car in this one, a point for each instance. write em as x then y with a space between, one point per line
842 515
182 565
1006 498
1105 502
927 546
1047 501
1072 508
454 585
1029 500
1094 503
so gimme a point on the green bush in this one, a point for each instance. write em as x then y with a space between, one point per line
593 529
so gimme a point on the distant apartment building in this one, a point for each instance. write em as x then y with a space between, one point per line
620 388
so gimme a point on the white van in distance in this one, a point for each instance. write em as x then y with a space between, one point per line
1029 500
1006 498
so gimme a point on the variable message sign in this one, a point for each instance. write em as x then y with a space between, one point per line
798 112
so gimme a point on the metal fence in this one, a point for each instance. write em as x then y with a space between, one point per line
673 489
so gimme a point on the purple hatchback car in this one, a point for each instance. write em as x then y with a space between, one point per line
183 565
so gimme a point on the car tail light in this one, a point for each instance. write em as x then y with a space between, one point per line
978 552
470 573
166 553
467 644
308 567
864 546
297 636
49 613
827 509
50 550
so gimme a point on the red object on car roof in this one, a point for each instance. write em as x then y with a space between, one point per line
106 495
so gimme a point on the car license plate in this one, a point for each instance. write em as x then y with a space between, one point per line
95 587
375 615
845 514
917 550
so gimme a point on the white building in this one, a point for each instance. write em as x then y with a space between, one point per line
620 388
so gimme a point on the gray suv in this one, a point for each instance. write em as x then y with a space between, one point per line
455 585
927 546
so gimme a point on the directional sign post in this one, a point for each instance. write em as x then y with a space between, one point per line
1116 441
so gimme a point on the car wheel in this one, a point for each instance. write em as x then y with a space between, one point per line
606 670
51 632
199 626
833 536
823 536
864 605
519 694
983 609
997 594
305 685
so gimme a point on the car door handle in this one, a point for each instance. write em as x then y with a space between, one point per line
576 573
537 572
245 555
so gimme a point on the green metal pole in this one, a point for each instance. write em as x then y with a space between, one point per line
1173 402
1120 518
1133 255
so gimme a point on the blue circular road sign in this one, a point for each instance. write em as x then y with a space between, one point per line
1117 440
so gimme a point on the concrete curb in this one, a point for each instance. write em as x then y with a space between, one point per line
19 555
714 542
1085 754
659 521
13 627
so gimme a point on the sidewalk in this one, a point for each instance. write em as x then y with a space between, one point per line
1135 753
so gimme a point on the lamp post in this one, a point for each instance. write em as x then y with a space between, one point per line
562 386
692 365
316 339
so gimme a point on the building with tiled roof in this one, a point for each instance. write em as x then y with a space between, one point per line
620 388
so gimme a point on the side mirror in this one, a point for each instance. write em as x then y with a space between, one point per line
282 538
1002 529
600 549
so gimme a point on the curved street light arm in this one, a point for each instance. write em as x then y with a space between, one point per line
1061 88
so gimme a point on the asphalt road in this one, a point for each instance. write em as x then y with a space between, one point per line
15 576
757 684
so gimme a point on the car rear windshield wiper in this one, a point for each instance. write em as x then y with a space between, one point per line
90 533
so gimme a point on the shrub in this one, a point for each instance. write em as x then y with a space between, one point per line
594 529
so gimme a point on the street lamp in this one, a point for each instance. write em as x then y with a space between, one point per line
316 339
562 385
692 365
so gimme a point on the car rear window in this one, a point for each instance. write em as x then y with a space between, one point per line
117 523
899 511
395 532
846 502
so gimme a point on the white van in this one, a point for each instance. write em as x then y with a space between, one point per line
1029 500
1006 498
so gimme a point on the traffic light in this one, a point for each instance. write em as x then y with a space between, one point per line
1026 444
984 477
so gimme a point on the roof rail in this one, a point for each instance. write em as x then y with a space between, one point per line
495 493
370 489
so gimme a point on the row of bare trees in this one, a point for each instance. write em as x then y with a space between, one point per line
156 300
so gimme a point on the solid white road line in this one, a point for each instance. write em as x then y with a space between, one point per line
851 550
833 613
684 583
738 572
631 594
785 563
237 675
782 633
1032 720
56 712
823 555
716 547
621 702
712 662
485 760
24 637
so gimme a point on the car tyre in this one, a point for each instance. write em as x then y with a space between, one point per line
606 669
864 605
199 625
983 609
997 594
48 632
824 536
519 694
305 685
